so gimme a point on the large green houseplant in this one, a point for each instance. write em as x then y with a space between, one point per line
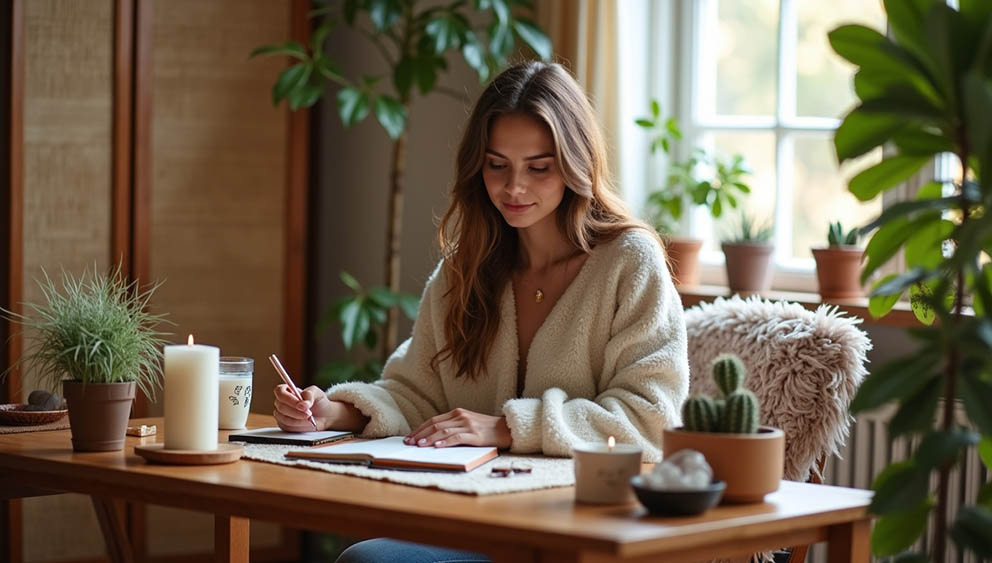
94 336
414 39
924 91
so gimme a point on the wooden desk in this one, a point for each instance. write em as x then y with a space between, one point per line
533 526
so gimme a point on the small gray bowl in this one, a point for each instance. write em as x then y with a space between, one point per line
677 502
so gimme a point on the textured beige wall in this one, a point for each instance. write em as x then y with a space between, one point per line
67 189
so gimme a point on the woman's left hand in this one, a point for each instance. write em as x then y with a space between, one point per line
462 427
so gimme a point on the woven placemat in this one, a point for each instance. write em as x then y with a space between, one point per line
60 424
547 472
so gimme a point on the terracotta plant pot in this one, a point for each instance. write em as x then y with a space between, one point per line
838 271
751 464
98 414
683 259
748 266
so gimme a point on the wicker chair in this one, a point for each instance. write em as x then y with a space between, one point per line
804 366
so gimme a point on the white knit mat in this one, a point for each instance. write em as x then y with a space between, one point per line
547 472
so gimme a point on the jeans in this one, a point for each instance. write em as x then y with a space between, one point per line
385 550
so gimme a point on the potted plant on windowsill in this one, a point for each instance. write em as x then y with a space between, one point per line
686 186
95 337
748 256
749 457
838 266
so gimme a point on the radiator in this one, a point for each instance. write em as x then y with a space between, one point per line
868 452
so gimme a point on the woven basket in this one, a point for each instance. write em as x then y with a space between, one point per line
14 413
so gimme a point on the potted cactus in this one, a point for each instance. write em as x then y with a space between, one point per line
726 430
838 266
748 253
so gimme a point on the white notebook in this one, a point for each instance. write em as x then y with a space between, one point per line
273 435
393 453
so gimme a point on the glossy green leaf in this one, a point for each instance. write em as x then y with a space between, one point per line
502 11
921 301
971 529
371 339
305 96
383 297
353 106
655 109
328 69
906 19
902 282
897 531
533 37
894 380
917 413
977 92
500 41
289 48
920 143
899 487
890 238
943 446
880 305
474 56
892 171
409 304
290 79
350 323
391 115
985 451
977 395
403 76
425 72
985 495
384 13
319 35
350 281
861 132
911 209
446 32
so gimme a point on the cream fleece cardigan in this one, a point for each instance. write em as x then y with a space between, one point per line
609 360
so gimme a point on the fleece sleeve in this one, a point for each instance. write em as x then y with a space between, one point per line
409 391
644 377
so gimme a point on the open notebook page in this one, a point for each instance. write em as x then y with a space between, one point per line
394 448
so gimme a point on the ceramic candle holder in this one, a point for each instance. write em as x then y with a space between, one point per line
602 474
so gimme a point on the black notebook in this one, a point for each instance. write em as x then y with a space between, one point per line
273 435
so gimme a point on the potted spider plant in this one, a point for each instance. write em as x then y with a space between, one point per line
94 336
748 253
838 266
686 186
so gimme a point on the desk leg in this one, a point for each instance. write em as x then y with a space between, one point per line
110 513
231 539
849 543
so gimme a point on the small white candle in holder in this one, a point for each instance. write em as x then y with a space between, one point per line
191 391
603 472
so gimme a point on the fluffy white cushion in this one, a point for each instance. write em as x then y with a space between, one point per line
804 367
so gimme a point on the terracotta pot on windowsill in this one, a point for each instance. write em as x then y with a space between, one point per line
748 266
683 259
838 271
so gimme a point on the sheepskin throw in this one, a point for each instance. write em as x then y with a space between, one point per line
804 366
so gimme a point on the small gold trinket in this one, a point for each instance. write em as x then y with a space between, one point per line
538 296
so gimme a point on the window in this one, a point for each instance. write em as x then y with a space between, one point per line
759 79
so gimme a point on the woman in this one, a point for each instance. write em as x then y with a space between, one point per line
551 319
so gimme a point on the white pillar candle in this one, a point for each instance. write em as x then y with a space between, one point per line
191 391
603 472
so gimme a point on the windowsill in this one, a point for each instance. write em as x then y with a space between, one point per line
900 316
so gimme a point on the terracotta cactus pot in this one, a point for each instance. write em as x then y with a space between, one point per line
838 271
98 414
751 464
683 259
748 266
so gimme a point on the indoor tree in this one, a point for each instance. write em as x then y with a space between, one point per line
415 39
923 91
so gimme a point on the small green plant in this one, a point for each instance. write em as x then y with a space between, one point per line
362 316
836 236
750 231
684 186
92 329
736 412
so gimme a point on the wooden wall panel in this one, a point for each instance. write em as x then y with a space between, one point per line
67 200
217 199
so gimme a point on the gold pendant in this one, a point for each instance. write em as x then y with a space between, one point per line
538 296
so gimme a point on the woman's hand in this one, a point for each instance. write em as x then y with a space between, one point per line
292 414
462 427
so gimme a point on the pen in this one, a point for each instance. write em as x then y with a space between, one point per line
292 386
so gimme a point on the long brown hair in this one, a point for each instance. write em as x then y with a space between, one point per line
479 248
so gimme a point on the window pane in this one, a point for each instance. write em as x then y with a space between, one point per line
823 82
745 41
820 194
758 150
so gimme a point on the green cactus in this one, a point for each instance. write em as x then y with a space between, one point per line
736 412
742 413
728 373
699 414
